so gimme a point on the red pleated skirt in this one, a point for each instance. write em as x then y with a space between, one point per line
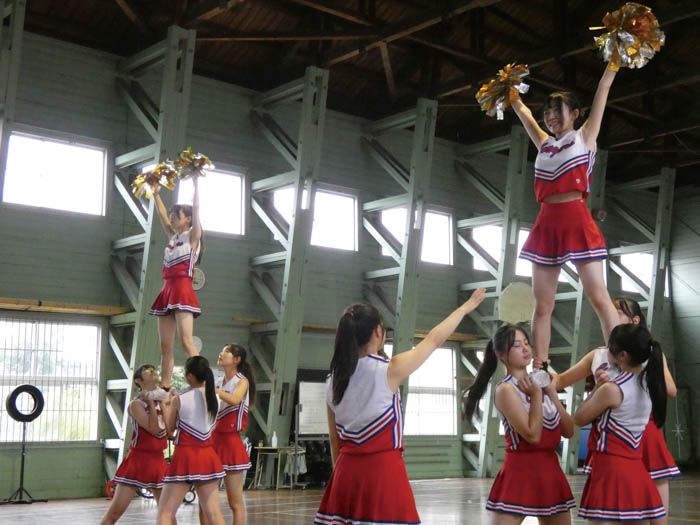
564 232
619 489
231 451
368 489
655 455
142 468
177 294
531 484
193 464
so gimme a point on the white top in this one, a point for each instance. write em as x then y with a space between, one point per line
179 251
193 416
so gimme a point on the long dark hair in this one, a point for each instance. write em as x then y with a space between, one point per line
355 329
186 210
630 308
244 368
502 341
198 366
555 101
640 346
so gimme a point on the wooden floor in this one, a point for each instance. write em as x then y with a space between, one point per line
440 502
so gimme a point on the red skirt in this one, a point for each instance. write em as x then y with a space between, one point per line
368 489
564 232
193 464
619 489
531 484
655 455
231 451
142 468
177 294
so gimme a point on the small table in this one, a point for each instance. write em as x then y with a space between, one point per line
272 453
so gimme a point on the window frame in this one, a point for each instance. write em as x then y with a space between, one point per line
68 138
102 419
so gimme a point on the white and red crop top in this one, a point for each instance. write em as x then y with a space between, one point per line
179 257
563 165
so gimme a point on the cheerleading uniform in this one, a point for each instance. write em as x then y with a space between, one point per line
230 422
178 268
144 465
655 455
563 231
619 487
194 459
531 482
369 484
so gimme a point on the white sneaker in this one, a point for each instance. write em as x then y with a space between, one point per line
157 394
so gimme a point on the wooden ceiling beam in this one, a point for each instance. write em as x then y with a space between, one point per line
209 9
386 62
338 12
286 37
132 15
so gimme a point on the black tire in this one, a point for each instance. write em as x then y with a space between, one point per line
11 403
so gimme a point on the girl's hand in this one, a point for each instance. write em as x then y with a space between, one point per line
528 386
555 381
476 299
601 376
551 389
156 190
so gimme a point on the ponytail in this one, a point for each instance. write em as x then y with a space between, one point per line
654 373
354 331
502 341
639 345
244 368
198 366
483 376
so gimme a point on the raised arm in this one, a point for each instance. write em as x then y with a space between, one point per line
604 396
196 231
576 373
162 212
527 424
535 132
591 127
238 393
405 363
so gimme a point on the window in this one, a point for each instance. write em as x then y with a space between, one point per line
489 238
642 266
57 174
437 233
62 360
335 217
431 408
220 198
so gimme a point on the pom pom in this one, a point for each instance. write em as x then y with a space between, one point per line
162 174
498 93
192 164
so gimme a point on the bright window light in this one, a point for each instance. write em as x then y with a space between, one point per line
220 201
642 266
60 358
335 217
437 233
489 238
55 174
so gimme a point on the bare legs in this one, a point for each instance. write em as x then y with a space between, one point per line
168 325
121 500
172 497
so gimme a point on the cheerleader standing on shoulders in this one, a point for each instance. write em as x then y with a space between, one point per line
655 455
530 482
619 487
144 465
235 390
564 229
193 414
177 305
369 484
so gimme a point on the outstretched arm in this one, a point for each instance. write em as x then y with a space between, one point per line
196 231
405 363
162 212
535 132
576 373
591 127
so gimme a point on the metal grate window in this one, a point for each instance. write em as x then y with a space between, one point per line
61 358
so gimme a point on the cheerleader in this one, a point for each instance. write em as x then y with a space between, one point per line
564 230
655 455
619 487
193 413
144 465
235 390
369 484
530 482
177 305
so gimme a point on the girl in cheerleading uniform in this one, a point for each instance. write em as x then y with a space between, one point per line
193 414
655 455
144 465
564 230
530 482
235 390
369 484
177 304
619 487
